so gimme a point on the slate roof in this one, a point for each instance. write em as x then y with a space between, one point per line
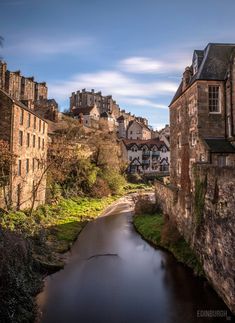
104 115
84 111
214 65
220 145
140 143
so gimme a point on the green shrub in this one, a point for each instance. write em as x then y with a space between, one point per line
116 181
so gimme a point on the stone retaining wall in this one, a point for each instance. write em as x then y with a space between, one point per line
207 222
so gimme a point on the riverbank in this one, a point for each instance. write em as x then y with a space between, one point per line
158 233
32 247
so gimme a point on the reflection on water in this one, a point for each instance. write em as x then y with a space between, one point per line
116 277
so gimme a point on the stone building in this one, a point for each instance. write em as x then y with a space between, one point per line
163 135
137 130
146 156
30 93
88 116
87 99
201 197
26 134
201 116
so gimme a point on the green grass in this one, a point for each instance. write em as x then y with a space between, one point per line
150 227
60 224
133 188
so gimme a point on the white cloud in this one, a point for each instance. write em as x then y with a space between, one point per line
47 45
112 82
145 102
146 65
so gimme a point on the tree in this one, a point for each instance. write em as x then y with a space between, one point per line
7 160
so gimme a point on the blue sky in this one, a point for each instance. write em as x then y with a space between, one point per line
135 50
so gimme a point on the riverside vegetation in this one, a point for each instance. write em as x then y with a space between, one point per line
161 232
86 176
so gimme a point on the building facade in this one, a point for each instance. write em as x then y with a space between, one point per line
87 99
146 156
200 197
30 93
137 130
26 134
201 114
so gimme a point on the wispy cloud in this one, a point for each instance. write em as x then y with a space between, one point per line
47 45
146 65
112 82
145 103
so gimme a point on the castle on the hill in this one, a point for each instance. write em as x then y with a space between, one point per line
93 108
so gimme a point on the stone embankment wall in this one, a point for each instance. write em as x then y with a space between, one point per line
206 218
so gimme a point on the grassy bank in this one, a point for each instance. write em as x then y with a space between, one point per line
53 228
157 232
33 246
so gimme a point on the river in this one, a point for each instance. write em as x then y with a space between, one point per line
114 276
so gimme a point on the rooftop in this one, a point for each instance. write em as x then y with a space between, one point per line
214 65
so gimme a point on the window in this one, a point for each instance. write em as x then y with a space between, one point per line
27 166
213 98
21 138
193 140
179 142
191 106
179 167
43 144
40 125
222 161
28 139
34 122
21 116
19 167
39 142
34 141
33 165
43 127
130 158
178 115
28 121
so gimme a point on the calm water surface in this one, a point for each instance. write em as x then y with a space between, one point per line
114 276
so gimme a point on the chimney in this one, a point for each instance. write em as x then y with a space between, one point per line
186 77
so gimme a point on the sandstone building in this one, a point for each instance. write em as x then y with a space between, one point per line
201 195
137 130
29 92
26 133
85 104
85 99
201 116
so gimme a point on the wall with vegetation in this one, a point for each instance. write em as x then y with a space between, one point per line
206 218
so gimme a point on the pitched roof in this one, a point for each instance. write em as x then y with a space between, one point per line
219 145
143 126
140 143
215 59
84 111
